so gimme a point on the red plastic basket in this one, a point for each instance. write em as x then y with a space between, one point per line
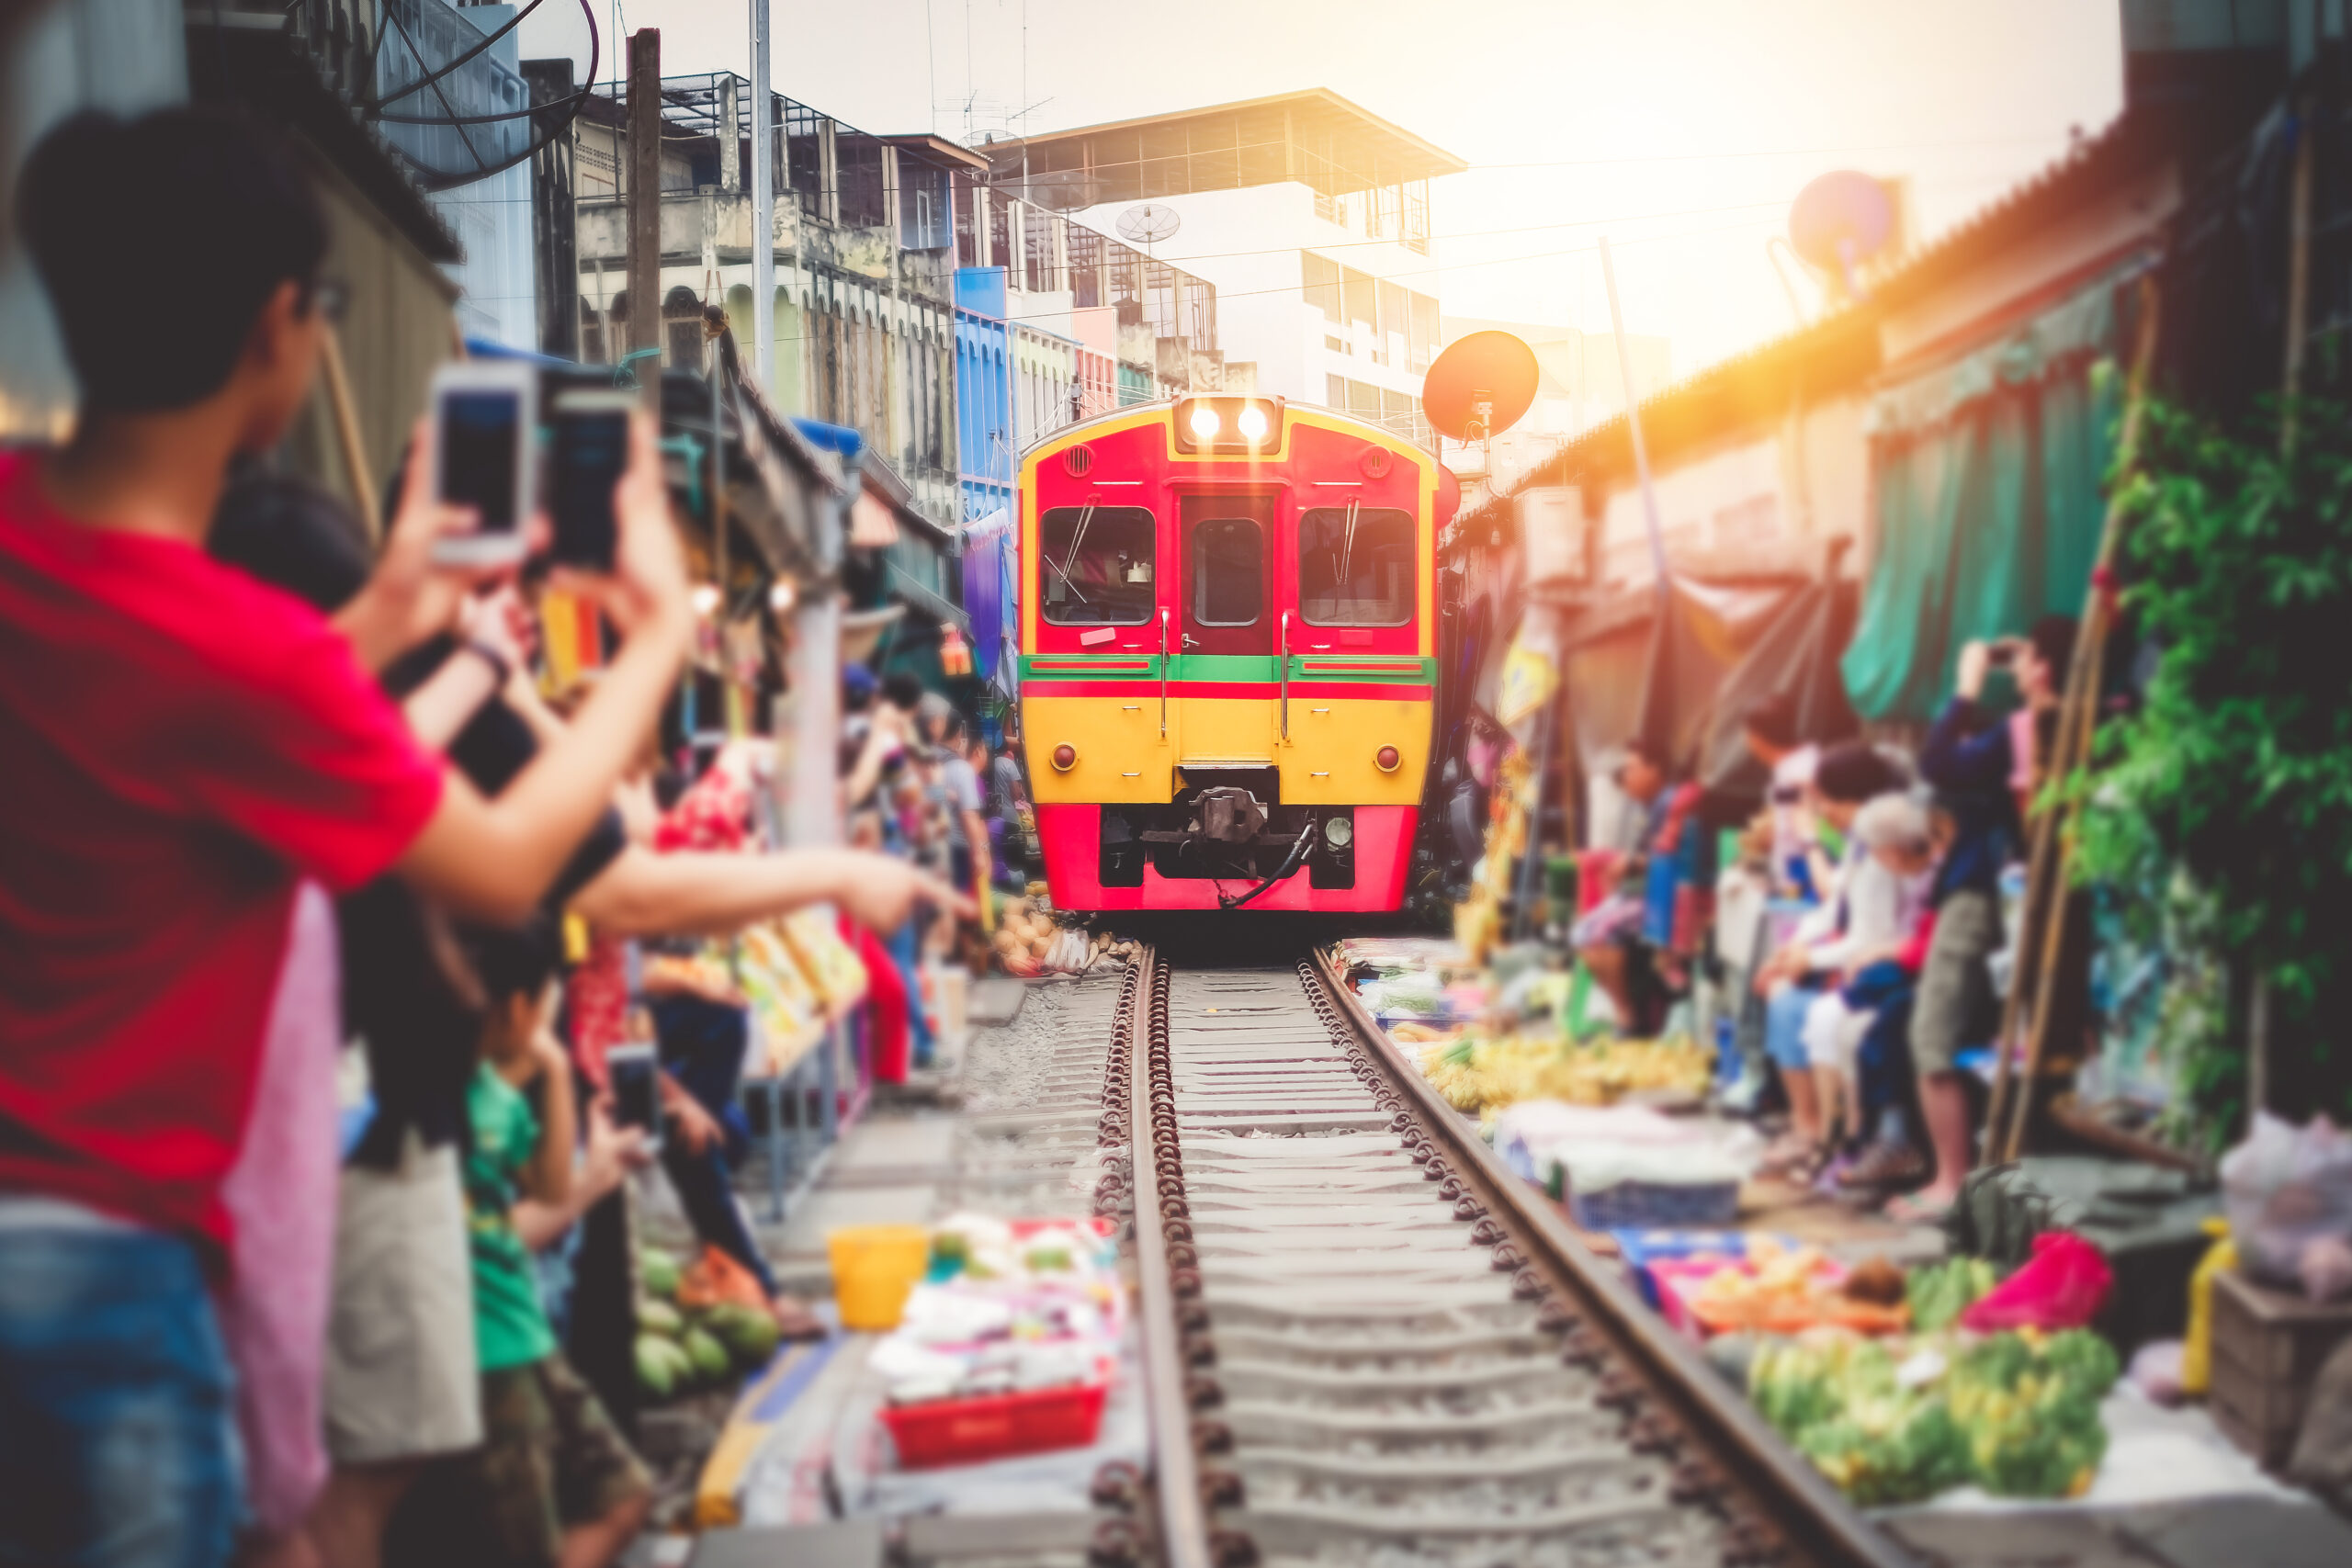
966 1431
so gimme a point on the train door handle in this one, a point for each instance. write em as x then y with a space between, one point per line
1284 668
1163 674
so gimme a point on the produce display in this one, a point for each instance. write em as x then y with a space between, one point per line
690 1340
1475 1074
1939 1292
1784 1291
1028 942
1008 1307
1896 1420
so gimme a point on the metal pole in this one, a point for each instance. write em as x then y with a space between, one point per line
645 203
762 204
812 814
1633 418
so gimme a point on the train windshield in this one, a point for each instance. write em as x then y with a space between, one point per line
1097 565
1355 566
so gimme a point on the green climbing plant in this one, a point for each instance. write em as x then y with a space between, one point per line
2224 798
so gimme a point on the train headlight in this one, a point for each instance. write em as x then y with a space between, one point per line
1205 424
1339 832
1065 757
1252 422
1387 758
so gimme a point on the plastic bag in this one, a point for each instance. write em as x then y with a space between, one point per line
2284 1187
2062 1285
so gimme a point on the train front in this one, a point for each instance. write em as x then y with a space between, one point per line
1227 656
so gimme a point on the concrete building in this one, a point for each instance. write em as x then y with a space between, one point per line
1309 216
984 400
865 316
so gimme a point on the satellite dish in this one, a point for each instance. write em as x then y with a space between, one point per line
1481 386
1148 223
1841 220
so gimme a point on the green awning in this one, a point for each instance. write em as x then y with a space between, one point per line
1988 477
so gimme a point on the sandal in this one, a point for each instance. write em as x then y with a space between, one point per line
793 1321
1885 1164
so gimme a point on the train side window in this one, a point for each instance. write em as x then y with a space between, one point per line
1098 567
1355 566
1229 571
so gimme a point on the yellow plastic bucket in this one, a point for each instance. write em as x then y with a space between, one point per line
875 1267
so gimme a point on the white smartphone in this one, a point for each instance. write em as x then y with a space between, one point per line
633 1072
486 441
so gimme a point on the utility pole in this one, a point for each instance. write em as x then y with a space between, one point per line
762 205
645 207
1634 421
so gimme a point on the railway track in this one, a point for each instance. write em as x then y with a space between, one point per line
1365 1342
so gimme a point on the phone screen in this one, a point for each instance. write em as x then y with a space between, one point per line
480 444
636 1100
590 451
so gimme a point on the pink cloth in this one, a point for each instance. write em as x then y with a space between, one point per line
280 1196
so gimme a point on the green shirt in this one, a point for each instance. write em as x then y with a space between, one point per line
511 1327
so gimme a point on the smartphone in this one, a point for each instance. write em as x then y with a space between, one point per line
634 1073
485 436
2001 655
591 452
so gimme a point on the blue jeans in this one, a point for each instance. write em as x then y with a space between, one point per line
702 1047
1784 1013
905 947
117 1436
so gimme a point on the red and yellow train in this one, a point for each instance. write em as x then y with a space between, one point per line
1229 656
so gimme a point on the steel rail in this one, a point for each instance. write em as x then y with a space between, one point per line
1181 1522
1780 1508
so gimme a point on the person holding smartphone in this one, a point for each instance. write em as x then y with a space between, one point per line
1983 769
186 747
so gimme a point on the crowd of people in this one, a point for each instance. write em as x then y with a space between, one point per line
322 924
1859 925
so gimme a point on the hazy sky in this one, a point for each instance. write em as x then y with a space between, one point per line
1680 128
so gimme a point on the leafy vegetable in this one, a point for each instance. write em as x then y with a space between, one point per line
1939 1292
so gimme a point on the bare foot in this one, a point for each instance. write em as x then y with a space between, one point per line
1928 1206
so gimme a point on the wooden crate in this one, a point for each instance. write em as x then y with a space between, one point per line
2268 1346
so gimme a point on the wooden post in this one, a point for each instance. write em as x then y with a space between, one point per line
2039 945
346 437
645 207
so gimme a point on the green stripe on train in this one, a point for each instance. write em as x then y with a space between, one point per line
1232 668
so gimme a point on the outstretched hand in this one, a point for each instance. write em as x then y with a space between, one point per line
880 892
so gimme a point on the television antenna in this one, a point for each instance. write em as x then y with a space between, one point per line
1146 223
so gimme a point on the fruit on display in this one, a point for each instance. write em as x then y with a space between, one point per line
1475 1074
690 1334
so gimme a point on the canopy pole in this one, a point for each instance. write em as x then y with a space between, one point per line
1634 420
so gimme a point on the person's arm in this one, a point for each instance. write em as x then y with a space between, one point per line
881 740
450 697
409 596
1965 751
494 858
549 1180
690 892
610 1155
1873 900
